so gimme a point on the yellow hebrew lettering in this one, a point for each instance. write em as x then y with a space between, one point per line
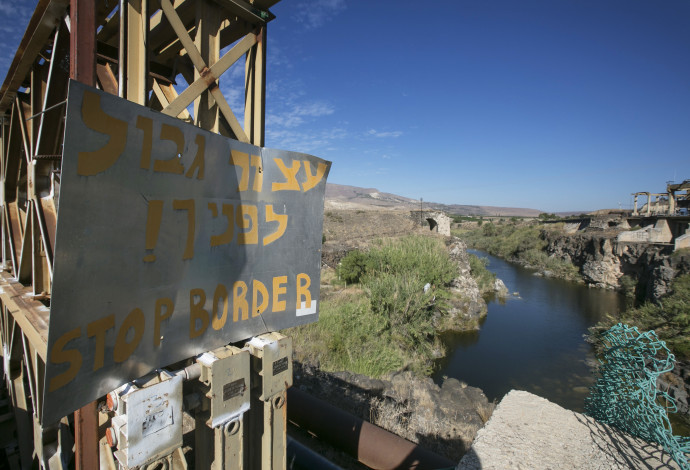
225 237
97 329
197 312
171 165
239 301
160 316
258 173
93 116
187 205
258 287
282 220
145 124
241 159
313 180
58 355
123 349
290 175
154 216
199 160
247 217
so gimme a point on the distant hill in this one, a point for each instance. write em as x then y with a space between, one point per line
340 196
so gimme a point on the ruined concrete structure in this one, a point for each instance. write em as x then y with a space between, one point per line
660 232
653 229
435 220
675 201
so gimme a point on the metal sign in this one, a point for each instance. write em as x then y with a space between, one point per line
171 241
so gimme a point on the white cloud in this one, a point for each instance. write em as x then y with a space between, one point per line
315 14
285 120
314 142
381 134
315 109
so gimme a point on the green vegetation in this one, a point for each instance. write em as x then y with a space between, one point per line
628 285
545 216
670 319
464 218
384 320
485 278
520 243
348 337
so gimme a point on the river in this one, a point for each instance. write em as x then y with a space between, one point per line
531 341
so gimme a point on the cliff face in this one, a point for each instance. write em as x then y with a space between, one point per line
469 303
603 261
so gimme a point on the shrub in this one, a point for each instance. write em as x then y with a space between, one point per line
348 337
670 319
485 279
628 285
352 266
427 257
392 326
489 230
401 301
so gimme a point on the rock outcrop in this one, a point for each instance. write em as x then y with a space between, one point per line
603 261
444 419
527 431
468 303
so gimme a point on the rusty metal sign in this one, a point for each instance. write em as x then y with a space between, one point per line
171 241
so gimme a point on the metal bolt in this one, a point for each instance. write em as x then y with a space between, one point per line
111 437
111 401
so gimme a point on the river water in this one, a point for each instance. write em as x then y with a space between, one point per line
531 341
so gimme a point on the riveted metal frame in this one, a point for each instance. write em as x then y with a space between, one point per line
164 54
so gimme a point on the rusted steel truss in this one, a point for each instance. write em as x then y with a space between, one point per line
169 55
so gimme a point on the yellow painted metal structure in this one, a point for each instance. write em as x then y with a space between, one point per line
169 55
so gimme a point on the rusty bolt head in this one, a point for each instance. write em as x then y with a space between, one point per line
111 437
111 401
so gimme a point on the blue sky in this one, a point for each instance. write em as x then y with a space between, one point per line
550 104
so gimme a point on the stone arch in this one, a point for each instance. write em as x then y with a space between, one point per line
432 223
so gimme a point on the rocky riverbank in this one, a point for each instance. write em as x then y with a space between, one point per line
467 303
641 269
444 419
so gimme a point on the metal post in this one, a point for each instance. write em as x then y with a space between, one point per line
83 69
271 377
255 84
83 41
220 423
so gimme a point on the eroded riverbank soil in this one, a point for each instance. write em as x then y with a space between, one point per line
444 419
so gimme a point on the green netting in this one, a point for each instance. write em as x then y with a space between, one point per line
625 394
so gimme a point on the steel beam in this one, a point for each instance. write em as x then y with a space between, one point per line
136 59
136 49
255 89
83 41
83 69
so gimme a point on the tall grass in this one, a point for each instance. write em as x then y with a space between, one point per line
387 322
348 337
